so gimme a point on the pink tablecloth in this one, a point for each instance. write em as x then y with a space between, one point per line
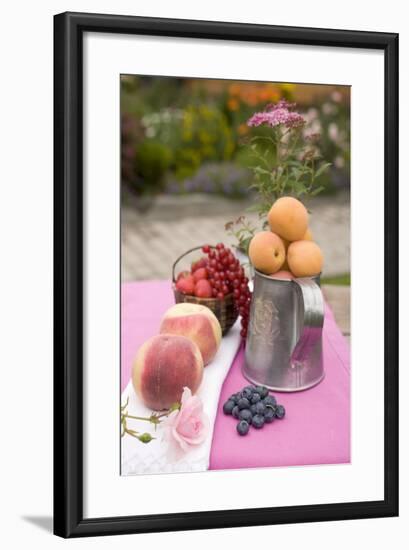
316 429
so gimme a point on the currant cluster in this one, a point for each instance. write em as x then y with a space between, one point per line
227 276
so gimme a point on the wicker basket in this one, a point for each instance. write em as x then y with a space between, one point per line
225 309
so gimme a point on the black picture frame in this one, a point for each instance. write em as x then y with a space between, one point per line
68 274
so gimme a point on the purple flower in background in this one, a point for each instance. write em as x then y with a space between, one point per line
172 187
190 185
277 114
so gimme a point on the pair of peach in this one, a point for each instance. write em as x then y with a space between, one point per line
190 335
288 246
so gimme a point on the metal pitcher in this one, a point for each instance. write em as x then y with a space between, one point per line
284 340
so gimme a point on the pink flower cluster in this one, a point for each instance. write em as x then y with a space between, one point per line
278 114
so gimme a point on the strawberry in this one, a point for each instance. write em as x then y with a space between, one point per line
182 275
199 274
203 289
186 285
197 265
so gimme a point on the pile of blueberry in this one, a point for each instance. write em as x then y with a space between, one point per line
253 406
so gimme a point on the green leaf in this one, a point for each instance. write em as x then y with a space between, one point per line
317 190
322 169
260 170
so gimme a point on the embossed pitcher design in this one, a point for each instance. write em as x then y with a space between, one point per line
284 340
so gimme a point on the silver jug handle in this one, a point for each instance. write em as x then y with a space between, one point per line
312 322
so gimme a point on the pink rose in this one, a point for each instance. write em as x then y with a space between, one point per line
187 427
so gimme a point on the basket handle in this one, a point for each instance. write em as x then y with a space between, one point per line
182 256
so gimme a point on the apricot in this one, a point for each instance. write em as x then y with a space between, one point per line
267 252
308 236
288 217
283 275
305 258
163 366
196 322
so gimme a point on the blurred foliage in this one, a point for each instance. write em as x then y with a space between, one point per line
340 280
223 178
153 159
182 135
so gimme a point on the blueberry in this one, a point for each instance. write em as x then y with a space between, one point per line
246 415
253 409
260 408
270 400
261 390
269 415
280 411
235 411
228 406
246 393
255 398
233 398
258 421
243 403
243 427
271 408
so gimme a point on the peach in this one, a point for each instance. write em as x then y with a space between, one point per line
267 252
203 289
288 217
283 275
163 366
186 285
196 322
305 258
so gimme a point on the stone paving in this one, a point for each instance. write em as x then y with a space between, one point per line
151 241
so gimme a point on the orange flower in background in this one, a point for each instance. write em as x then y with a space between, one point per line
251 94
233 104
234 89
242 129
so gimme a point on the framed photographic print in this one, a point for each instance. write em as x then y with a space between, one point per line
226 274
